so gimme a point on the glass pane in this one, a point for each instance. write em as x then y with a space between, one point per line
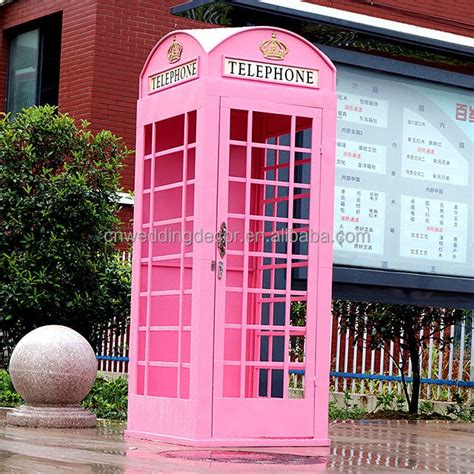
267 128
169 133
238 125
23 74
266 275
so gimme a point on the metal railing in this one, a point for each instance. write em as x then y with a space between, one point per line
355 368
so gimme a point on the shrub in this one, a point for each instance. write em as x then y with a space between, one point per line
9 397
460 409
59 188
108 398
350 411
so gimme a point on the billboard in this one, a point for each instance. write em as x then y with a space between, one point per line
405 174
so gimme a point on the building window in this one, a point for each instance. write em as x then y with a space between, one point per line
33 71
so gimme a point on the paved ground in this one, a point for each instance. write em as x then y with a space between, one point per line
356 446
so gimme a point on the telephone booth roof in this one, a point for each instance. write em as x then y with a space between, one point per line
211 52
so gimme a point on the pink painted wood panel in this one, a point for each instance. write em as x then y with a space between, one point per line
254 330
216 346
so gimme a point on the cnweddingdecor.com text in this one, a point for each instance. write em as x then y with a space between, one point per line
303 236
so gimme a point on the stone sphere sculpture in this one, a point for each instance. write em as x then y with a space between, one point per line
53 368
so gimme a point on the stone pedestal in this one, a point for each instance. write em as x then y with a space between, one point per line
51 417
53 368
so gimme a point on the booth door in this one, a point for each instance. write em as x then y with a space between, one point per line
264 360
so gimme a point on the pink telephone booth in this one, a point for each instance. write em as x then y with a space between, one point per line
230 334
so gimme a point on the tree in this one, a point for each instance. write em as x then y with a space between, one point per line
409 327
58 201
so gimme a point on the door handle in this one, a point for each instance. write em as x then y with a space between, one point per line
222 239
220 270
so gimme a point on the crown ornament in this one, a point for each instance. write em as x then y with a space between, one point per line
174 51
274 49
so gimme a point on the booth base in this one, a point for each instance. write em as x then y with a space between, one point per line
230 443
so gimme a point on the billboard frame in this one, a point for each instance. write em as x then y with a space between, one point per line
373 284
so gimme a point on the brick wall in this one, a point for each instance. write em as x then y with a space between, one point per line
125 36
